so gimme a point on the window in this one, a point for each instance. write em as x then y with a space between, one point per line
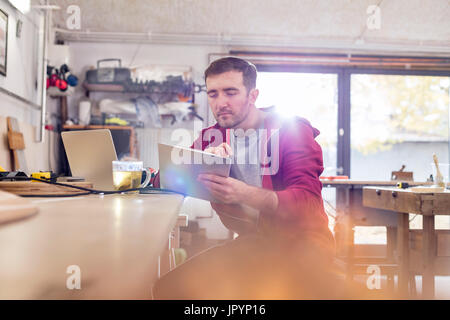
312 96
395 118
398 120
309 95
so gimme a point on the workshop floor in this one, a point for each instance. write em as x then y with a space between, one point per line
195 243
442 285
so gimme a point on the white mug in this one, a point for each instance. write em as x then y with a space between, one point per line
128 175
84 112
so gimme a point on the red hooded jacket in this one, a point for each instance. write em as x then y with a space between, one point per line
296 182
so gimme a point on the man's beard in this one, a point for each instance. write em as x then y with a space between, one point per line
232 121
228 123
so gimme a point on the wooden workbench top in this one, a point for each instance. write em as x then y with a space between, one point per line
407 200
351 182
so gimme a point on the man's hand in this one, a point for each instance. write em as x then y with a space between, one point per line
222 150
233 191
231 210
226 190
238 218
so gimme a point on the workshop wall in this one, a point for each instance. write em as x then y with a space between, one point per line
23 78
23 62
85 55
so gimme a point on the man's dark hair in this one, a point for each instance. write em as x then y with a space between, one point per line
234 64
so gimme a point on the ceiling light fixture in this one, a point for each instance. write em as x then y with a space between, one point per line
21 5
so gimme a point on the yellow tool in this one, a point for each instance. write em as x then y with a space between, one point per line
116 121
41 175
2 170
403 185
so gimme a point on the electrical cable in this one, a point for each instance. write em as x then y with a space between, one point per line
332 207
55 195
88 190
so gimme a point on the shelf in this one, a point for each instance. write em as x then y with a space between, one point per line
103 87
121 89
54 92
87 127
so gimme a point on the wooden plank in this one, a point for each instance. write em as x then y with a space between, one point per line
441 264
437 203
15 140
36 159
427 207
19 161
392 199
429 255
391 242
41 188
370 251
403 252
441 204
442 242
365 216
348 245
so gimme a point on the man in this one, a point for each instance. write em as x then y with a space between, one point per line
284 246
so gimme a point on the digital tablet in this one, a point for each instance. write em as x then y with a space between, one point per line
179 168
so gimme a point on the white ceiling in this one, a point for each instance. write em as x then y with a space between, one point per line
411 22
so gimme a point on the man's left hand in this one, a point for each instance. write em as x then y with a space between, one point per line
226 190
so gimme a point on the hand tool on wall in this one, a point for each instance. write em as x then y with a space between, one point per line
439 177
402 175
68 76
16 145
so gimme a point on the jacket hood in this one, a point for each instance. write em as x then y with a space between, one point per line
275 121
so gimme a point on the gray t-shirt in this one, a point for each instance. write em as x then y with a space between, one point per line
246 164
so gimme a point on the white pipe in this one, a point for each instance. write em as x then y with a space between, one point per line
406 46
44 80
46 7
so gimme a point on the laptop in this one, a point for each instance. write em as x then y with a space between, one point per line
90 154
179 168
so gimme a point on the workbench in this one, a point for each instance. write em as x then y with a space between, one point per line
115 240
351 213
404 202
